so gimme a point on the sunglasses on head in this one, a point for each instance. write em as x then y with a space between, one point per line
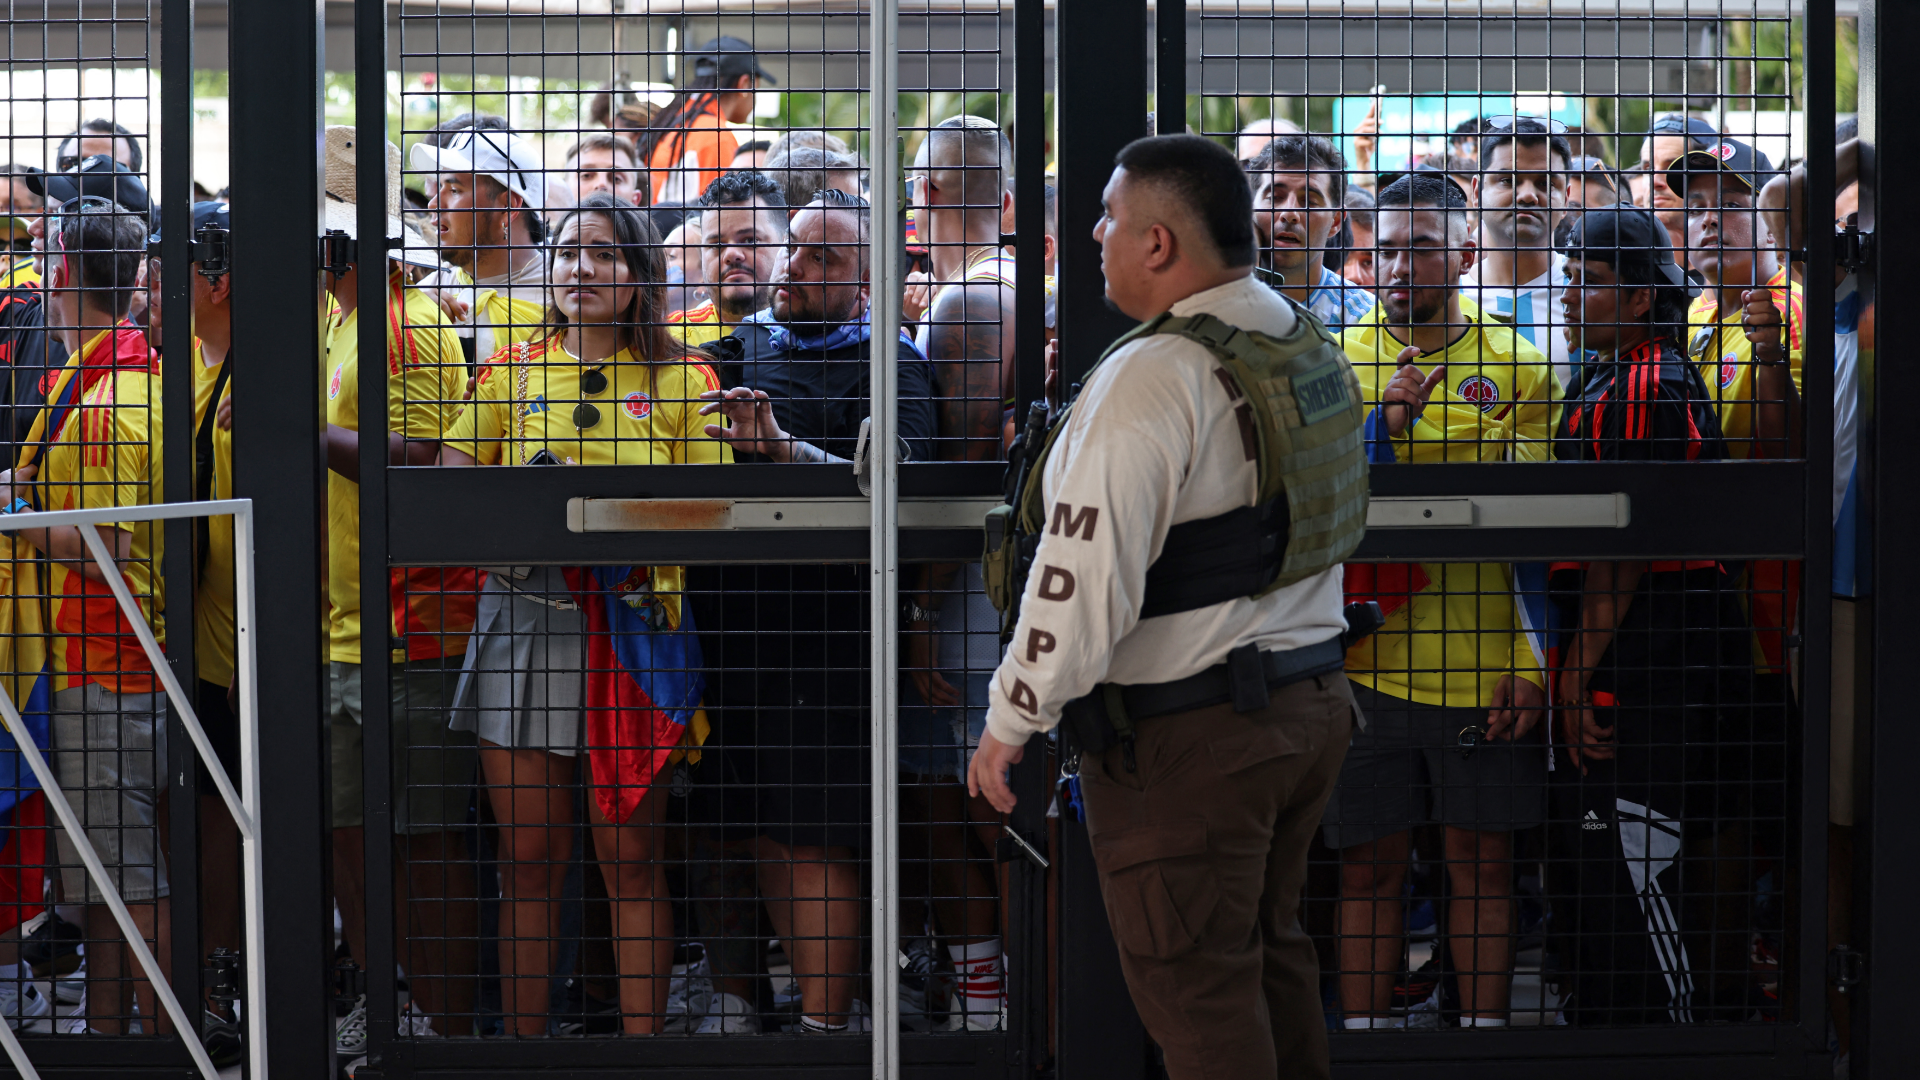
1496 124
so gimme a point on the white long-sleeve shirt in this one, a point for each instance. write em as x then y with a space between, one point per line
1153 442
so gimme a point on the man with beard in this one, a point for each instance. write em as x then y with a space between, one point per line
1522 192
789 698
1299 203
1447 384
742 234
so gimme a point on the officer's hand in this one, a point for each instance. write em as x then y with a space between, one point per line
1517 705
1406 396
987 772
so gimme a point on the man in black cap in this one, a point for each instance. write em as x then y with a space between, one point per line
27 350
1652 743
688 145
1755 374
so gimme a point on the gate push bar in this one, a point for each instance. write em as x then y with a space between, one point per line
590 515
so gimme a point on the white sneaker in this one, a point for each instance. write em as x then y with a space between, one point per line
728 1014
25 1008
415 1024
976 1019
350 1033
689 989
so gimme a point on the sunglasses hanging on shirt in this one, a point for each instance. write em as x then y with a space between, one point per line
592 384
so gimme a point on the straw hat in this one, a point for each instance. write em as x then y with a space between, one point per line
343 182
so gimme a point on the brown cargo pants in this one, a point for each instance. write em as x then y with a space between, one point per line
1202 853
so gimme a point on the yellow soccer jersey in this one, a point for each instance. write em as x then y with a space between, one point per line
1720 349
1450 644
20 274
213 608
698 326
648 415
106 453
426 376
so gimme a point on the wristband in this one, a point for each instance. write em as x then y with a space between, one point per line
18 505
914 613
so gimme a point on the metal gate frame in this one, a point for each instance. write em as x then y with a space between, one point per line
1677 513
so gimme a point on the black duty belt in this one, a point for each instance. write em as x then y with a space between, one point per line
1107 717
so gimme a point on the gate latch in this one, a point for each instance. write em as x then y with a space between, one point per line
1013 845
1845 968
1853 249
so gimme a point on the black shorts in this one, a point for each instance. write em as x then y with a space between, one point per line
222 726
782 765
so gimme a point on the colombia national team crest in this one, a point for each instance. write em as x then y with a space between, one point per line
1480 390
1729 369
638 405
333 387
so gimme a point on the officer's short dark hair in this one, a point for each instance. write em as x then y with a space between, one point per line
1294 153
105 244
1204 177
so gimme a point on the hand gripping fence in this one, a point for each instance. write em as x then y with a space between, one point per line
243 808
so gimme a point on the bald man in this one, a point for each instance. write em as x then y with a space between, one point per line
1255 136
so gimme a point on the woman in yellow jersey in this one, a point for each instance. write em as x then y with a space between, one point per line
605 384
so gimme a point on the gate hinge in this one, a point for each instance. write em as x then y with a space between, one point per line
338 251
1013 846
1845 968
1853 249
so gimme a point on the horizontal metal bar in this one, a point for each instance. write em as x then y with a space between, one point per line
708 515
47 519
1501 512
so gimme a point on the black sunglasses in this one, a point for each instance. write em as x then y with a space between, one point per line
1495 124
592 384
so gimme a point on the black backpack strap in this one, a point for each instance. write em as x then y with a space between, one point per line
203 463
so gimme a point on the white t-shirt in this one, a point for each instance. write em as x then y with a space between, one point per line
526 288
1534 311
1152 442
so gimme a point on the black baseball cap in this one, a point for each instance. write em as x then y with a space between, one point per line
215 214
1727 155
729 58
97 174
1677 124
1628 238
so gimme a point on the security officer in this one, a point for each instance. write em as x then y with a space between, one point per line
1232 717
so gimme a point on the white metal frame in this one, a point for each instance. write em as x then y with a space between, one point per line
244 806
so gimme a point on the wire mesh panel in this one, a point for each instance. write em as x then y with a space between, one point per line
634 799
1543 237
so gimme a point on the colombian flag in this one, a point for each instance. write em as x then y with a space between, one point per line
644 682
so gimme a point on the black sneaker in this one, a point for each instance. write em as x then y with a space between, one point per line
222 1040
53 948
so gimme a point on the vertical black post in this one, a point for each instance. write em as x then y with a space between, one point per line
1169 67
1885 1039
1808 848
1029 196
1101 73
1027 922
276 66
176 410
370 117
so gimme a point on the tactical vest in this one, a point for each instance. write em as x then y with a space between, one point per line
1311 510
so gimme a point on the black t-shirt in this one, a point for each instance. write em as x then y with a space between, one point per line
803 629
29 355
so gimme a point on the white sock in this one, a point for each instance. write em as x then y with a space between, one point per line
1482 1021
1369 1023
979 976
811 1024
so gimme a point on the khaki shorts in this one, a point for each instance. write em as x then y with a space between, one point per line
107 750
1840 724
433 767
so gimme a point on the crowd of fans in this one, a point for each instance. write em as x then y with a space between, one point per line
670 295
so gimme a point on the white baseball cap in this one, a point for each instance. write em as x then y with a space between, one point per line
509 159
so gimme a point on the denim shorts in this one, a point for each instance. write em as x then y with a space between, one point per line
935 742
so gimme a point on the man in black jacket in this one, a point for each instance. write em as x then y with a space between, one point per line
790 695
